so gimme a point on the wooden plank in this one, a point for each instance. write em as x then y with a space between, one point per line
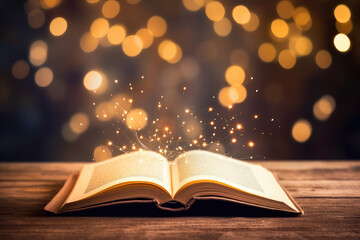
329 193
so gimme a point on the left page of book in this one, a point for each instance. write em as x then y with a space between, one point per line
137 167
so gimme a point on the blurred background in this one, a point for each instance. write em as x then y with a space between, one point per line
89 79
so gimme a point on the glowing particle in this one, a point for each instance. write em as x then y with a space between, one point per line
58 26
92 80
342 42
187 110
239 126
251 144
301 130
256 116
233 140
210 109
110 143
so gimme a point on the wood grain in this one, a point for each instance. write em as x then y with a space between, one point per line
329 193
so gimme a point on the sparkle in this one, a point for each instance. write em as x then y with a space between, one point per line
233 140
110 143
251 144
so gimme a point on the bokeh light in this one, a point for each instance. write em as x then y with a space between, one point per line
92 80
48 4
102 153
342 13
157 25
88 42
193 5
345 28
116 34
36 18
58 26
267 52
323 59
241 14
287 59
99 27
302 18
324 107
285 9
79 123
136 119
279 28
222 27
146 37
38 53
301 130
110 8
43 77
252 24
235 75
303 46
215 11
104 111
132 45
342 42
170 51
20 69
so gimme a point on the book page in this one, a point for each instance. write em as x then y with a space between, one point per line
195 166
136 167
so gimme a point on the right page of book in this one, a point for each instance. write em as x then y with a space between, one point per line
197 165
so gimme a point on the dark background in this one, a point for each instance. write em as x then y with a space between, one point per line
32 118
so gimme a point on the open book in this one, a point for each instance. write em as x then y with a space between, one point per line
148 176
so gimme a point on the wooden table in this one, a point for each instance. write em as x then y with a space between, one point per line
328 191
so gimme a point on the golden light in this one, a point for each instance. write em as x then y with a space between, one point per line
279 28
157 25
193 5
342 42
132 45
110 9
239 126
47 4
121 105
104 111
102 153
58 26
241 14
345 28
215 11
241 93
38 53
303 46
92 80
169 51
146 37
43 77
216 148
36 18
252 24
233 140
79 123
116 34
287 59
324 107
136 119
267 52
285 9
251 144
235 75
228 96
68 134
302 18
301 130
222 27
323 59
88 42
99 27
342 13
20 69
